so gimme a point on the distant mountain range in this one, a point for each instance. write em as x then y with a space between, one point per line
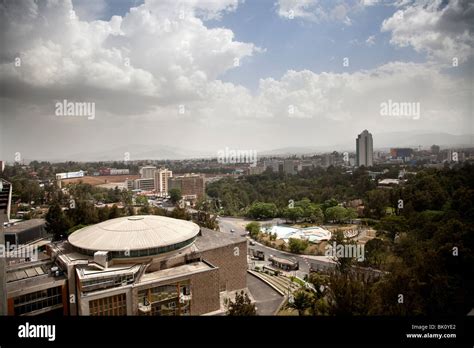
382 141
385 141
135 152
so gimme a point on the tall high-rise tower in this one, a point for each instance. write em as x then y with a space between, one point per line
364 149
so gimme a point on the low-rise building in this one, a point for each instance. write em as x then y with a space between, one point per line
25 232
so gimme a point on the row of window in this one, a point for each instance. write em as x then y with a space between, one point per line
112 305
37 300
103 283
165 299
37 295
141 252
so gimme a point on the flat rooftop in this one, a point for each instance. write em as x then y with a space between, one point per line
210 239
175 272
31 274
24 225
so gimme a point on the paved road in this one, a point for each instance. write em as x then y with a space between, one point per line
228 223
267 300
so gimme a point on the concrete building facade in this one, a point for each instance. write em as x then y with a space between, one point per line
364 149
148 172
192 186
162 177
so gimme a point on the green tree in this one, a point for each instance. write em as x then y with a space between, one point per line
376 203
336 213
253 228
316 214
351 214
175 195
241 306
141 200
302 300
297 246
375 252
56 221
260 210
392 225
348 295
103 213
205 219
180 213
293 214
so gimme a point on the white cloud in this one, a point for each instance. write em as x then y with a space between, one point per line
89 10
370 40
314 10
159 50
331 96
369 2
442 31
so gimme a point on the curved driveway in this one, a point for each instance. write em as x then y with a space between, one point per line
238 224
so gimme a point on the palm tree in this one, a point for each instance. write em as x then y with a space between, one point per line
302 300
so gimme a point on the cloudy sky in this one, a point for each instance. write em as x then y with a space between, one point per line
201 76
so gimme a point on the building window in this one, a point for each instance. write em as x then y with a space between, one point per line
166 300
112 305
38 300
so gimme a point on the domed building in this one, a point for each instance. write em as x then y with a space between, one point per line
135 236
149 265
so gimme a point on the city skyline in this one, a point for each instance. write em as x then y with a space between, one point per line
245 75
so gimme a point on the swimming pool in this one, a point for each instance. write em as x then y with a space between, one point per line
314 234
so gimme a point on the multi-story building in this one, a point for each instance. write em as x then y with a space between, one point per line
137 265
5 198
404 154
190 185
328 160
36 288
161 181
115 171
26 231
289 166
435 149
148 172
364 149
255 170
274 165
305 164
70 175
145 184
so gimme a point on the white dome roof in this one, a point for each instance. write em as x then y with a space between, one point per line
139 232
